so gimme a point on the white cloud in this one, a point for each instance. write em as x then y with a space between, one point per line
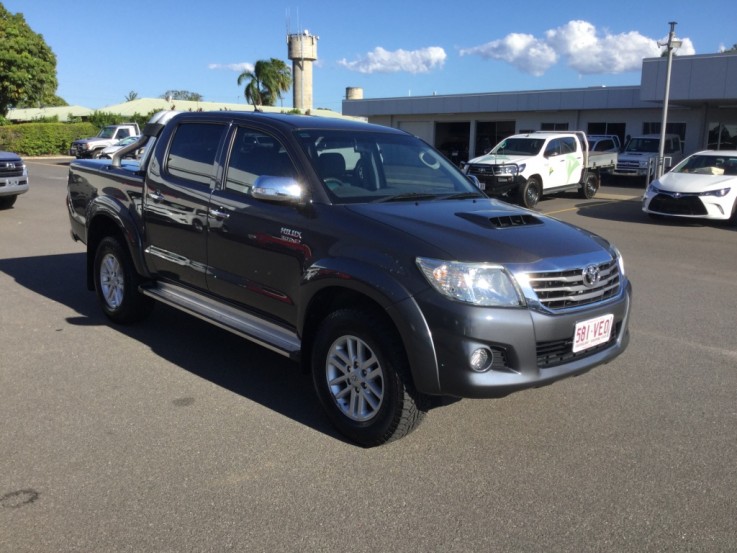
523 51
380 60
581 45
237 67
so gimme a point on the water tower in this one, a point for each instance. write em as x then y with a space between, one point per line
302 52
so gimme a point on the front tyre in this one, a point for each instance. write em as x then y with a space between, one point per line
6 202
361 377
116 284
530 192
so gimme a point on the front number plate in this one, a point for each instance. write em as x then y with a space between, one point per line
592 332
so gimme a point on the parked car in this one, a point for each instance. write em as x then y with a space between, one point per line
357 250
604 143
92 147
524 167
108 152
702 186
13 179
640 155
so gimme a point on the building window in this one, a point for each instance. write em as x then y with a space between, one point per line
554 127
491 133
670 128
608 129
722 136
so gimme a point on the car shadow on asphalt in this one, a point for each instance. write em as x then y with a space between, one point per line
630 211
200 348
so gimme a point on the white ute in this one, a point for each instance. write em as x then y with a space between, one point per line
524 167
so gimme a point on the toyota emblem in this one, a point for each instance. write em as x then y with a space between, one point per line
591 276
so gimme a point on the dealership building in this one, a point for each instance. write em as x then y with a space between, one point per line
702 109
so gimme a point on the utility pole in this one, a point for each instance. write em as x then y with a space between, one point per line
671 45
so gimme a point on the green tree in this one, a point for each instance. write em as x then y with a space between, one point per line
182 95
132 95
27 66
266 82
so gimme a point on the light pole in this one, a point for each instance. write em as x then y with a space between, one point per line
671 45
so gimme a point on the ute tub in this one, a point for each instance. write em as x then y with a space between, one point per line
92 179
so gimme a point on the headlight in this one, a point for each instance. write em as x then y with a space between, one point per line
475 283
619 258
653 189
718 193
521 167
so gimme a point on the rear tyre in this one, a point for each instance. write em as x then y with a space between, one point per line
116 284
361 378
590 186
530 192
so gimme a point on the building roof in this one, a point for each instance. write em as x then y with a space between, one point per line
709 78
144 106
62 113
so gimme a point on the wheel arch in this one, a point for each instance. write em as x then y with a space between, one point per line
108 218
388 300
537 176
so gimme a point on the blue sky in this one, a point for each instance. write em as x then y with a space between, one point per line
389 48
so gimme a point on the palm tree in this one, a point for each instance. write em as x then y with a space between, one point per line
266 82
252 92
277 79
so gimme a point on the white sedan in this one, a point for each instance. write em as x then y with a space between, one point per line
702 186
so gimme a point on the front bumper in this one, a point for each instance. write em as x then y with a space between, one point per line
501 185
691 206
631 171
13 186
530 347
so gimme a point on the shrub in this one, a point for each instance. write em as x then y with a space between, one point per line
38 139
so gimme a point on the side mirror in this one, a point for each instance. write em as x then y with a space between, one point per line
277 189
476 182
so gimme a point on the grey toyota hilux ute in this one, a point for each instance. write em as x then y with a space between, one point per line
356 250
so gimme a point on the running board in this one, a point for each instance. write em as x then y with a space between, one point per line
263 333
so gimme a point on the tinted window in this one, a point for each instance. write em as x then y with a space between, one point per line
192 151
604 145
568 145
368 166
254 154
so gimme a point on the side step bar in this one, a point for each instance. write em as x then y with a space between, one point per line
247 326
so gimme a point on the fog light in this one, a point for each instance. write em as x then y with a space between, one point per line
481 359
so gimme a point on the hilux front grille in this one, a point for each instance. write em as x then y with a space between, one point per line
11 168
576 287
492 170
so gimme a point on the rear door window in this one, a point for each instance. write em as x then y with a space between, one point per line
193 150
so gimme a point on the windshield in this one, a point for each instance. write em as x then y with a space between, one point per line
519 146
107 132
649 145
375 166
708 165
